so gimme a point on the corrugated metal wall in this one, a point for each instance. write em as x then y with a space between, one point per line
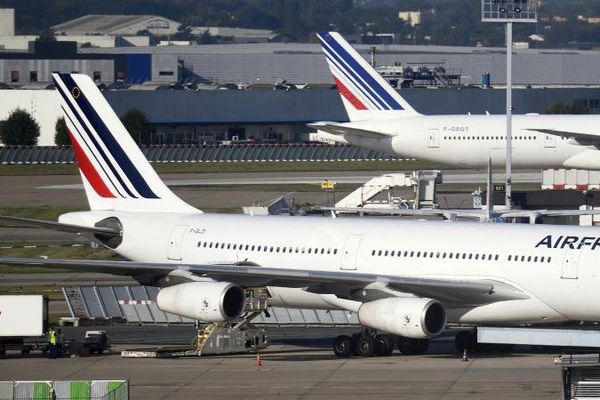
199 153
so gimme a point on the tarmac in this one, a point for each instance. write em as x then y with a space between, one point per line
300 365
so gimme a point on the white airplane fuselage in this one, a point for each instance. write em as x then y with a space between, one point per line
557 267
469 141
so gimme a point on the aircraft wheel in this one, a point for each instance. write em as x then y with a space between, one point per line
408 346
423 346
342 346
383 345
365 346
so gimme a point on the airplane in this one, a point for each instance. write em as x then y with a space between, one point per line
401 277
382 120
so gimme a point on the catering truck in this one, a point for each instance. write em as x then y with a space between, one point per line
23 322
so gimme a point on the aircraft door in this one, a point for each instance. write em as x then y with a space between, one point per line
350 252
433 138
570 265
176 242
549 141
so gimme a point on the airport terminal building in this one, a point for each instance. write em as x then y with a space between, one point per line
268 92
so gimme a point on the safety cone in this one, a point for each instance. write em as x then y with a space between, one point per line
464 356
258 362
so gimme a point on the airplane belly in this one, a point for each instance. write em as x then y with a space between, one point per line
507 312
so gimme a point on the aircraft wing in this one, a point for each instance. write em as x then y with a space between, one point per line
584 138
448 290
57 226
339 129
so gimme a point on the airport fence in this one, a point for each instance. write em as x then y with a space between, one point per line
65 390
205 153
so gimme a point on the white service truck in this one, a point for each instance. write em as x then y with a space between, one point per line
23 322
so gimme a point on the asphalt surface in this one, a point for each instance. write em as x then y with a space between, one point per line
299 364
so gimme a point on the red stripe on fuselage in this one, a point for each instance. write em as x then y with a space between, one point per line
90 173
348 95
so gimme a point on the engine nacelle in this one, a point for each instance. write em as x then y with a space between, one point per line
203 301
412 317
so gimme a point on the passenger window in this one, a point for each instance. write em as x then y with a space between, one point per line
542 259
509 257
496 258
392 253
411 253
309 250
329 251
464 256
477 256
535 259
228 246
334 251
529 259
522 258
373 252
204 245
199 244
418 254
405 253
549 259
386 253
470 256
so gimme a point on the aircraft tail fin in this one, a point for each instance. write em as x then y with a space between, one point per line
116 175
365 94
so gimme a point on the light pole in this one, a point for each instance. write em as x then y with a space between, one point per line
508 11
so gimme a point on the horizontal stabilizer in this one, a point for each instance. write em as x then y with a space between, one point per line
338 129
57 226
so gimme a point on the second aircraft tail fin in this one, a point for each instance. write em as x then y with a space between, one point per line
365 94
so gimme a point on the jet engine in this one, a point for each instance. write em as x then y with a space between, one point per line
203 301
411 317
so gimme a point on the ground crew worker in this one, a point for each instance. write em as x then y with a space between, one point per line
52 341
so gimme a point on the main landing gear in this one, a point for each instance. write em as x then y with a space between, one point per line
368 343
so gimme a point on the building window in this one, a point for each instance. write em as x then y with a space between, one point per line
166 73
33 76
14 76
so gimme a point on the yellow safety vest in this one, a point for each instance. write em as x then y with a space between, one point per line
52 337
